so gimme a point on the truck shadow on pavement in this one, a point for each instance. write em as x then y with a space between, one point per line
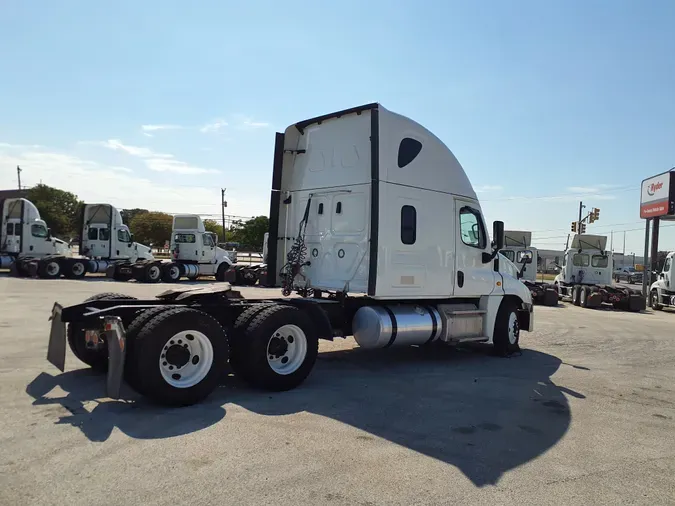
483 414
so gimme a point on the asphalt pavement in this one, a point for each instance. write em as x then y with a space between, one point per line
585 415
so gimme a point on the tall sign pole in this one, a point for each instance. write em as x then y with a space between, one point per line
18 175
223 205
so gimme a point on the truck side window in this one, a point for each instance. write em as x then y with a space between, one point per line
208 240
38 231
666 266
580 260
104 234
599 261
408 225
471 228
92 234
408 150
10 229
123 236
508 254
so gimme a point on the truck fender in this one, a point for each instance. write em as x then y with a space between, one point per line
322 324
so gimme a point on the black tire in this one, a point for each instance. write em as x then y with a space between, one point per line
49 269
576 295
583 296
139 322
171 273
251 355
506 334
152 342
237 339
75 269
152 273
654 301
96 359
249 277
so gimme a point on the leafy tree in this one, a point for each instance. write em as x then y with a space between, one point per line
129 214
250 234
151 228
216 228
58 208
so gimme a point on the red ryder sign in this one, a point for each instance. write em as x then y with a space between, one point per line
657 197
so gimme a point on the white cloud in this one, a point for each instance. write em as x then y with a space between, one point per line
152 128
237 121
158 162
488 188
249 124
94 181
214 126
582 189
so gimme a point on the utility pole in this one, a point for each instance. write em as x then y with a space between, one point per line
18 175
611 241
581 208
223 206
624 243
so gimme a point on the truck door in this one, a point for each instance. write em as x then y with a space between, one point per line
40 243
123 248
667 274
472 278
209 249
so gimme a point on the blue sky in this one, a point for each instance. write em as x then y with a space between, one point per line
543 103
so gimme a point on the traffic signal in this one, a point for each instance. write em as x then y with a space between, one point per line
574 226
596 214
583 228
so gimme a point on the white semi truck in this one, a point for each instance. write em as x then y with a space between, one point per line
194 253
518 248
374 217
662 291
585 277
26 243
104 241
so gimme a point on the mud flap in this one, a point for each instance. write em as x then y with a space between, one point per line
56 351
594 300
117 350
637 303
230 275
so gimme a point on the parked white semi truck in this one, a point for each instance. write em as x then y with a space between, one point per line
194 253
372 215
26 243
662 291
104 241
585 276
518 248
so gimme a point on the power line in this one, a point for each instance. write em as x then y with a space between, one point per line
560 196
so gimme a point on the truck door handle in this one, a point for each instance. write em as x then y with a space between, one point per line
460 279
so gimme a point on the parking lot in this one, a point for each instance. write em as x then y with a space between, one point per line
586 415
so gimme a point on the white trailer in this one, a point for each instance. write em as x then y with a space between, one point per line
26 243
518 248
374 217
662 291
585 277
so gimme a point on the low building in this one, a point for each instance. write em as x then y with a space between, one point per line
13 194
